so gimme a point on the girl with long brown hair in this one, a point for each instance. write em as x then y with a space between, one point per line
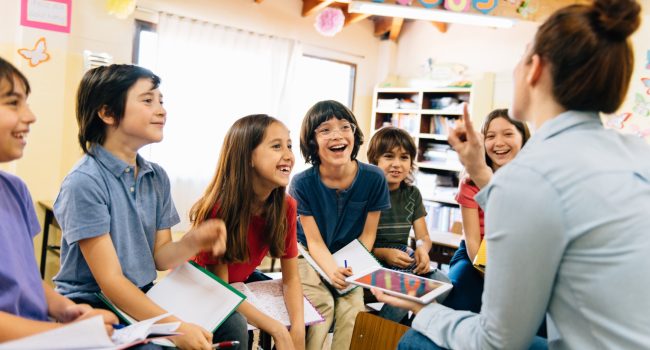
248 193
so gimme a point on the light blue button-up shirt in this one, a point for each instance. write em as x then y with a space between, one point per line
568 234
101 195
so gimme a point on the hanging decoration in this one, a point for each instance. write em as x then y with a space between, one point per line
646 83
37 55
429 3
484 6
641 106
647 66
404 2
120 8
329 21
457 5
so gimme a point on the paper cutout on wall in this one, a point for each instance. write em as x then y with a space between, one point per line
636 130
122 9
647 66
484 6
617 121
525 8
37 55
429 3
457 5
641 106
646 82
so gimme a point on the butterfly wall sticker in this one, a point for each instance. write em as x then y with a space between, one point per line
526 8
646 82
37 55
641 106
637 131
647 66
617 121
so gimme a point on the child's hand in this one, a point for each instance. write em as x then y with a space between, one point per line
80 312
395 257
421 261
210 235
338 277
194 337
281 337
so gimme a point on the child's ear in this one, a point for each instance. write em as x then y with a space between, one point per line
106 115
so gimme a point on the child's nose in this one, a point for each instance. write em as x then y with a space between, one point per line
27 116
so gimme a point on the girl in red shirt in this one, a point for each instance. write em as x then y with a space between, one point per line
248 194
504 137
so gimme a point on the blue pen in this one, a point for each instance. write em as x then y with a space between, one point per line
345 263
118 326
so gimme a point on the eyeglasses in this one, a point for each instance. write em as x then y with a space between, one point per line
328 132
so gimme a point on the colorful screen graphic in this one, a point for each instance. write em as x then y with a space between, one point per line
400 282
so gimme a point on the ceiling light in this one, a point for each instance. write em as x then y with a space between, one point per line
389 10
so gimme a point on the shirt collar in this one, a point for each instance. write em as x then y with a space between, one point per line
116 166
566 121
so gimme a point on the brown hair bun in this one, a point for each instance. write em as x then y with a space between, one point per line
616 19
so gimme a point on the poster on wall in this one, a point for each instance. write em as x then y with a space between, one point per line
51 15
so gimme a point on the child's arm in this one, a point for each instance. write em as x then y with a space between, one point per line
369 233
256 317
422 252
472 230
60 308
293 299
104 264
209 235
321 254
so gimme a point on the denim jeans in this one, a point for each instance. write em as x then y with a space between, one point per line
467 281
414 340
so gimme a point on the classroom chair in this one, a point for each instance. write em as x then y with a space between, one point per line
373 332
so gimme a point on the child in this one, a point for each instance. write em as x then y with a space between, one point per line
339 200
26 302
567 220
503 138
248 193
115 208
393 151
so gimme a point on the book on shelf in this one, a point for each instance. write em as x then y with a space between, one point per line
193 294
268 297
354 255
91 334
441 217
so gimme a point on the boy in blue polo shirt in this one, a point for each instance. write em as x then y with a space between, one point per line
339 200
115 208
26 302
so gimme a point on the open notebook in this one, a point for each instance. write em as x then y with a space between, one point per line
267 296
355 254
91 334
192 294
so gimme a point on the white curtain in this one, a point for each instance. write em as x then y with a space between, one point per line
211 76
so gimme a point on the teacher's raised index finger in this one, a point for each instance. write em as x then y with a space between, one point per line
469 127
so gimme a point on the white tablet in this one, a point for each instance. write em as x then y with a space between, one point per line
400 284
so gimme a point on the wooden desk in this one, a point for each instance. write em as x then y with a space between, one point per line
49 220
444 246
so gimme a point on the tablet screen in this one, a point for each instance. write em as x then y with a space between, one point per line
399 282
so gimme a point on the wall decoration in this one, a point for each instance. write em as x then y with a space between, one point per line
647 66
641 106
617 121
484 6
457 5
430 3
330 21
525 8
646 82
120 8
403 2
37 55
636 130
51 15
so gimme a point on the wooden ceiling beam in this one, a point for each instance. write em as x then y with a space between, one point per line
311 6
351 18
396 28
442 26
382 25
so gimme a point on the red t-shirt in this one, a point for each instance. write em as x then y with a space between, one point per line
465 198
239 272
